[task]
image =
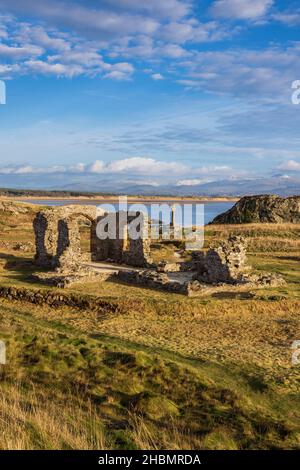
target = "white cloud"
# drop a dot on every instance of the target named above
(268, 71)
(144, 166)
(96, 167)
(192, 31)
(144, 47)
(172, 50)
(157, 76)
(290, 165)
(106, 40)
(130, 166)
(83, 57)
(60, 70)
(190, 83)
(24, 170)
(289, 18)
(134, 167)
(19, 52)
(7, 70)
(30, 169)
(78, 167)
(93, 22)
(84, 41)
(241, 9)
(190, 182)
(165, 9)
(31, 49)
(50, 40)
(117, 75)
(213, 169)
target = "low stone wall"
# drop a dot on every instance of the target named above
(57, 299)
(153, 280)
(63, 279)
(194, 288)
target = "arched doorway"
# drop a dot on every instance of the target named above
(76, 239)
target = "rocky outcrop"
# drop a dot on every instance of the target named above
(15, 208)
(266, 208)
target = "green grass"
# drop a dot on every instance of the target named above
(132, 388)
(160, 371)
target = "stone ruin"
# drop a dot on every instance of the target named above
(217, 270)
(126, 249)
(225, 264)
(57, 237)
(58, 248)
(58, 241)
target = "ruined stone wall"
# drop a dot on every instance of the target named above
(57, 238)
(137, 251)
(46, 234)
(57, 299)
(225, 264)
(57, 235)
(122, 245)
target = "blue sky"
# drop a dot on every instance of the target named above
(172, 91)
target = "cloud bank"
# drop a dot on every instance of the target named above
(112, 39)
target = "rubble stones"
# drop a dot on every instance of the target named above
(153, 280)
(166, 267)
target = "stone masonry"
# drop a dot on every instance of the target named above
(57, 235)
(58, 248)
(225, 264)
(57, 238)
(126, 249)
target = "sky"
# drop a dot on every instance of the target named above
(156, 92)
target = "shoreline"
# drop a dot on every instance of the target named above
(115, 199)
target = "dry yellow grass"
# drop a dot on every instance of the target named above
(242, 333)
(248, 336)
(29, 420)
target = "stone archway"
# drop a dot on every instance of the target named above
(58, 238)
(57, 235)
(69, 249)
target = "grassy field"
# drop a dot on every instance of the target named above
(163, 371)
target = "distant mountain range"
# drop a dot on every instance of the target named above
(281, 185)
